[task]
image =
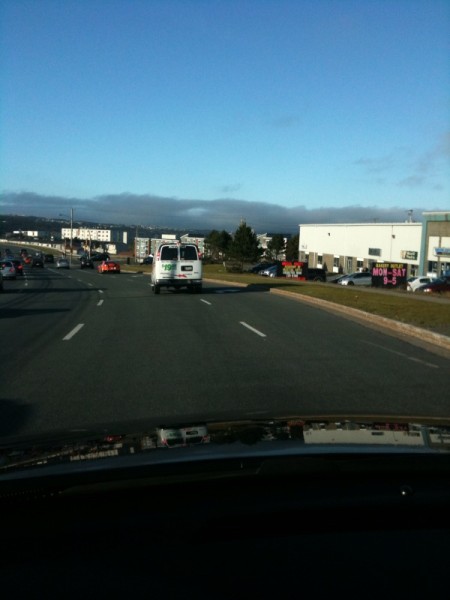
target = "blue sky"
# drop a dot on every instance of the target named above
(316, 104)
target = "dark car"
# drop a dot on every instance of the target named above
(261, 267)
(99, 256)
(148, 260)
(315, 274)
(38, 261)
(274, 270)
(86, 262)
(437, 286)
(18, 264)
(49, 258)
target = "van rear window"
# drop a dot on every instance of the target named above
(168, 253)
(188, 253)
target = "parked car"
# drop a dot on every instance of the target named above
(437, 286)
(316, 274)
(62, 263)
(364, 278)
(275, 270)
(8, 269)
(86, 262)
(260, 267)
(148, 260)
(49, 258)
(414, 282)
(19, 265)
(108, 266)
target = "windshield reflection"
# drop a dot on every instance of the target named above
(264, 436)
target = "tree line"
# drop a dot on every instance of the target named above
(243, 246)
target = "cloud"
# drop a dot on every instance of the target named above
(376, 165)
(412, 181)
(285, 121)
(403, 169)
(229, 189)
(191, 214)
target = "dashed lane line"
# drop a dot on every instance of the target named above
(74, 331)
(260, 333)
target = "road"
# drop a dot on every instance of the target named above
(79, 348)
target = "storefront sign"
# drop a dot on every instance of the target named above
(442, 251)
(295, 269)
(389, 274)
(409, 254)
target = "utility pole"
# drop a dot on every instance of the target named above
(71, 236)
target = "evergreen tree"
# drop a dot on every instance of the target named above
(244, 246)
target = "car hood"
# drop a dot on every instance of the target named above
(124, 447)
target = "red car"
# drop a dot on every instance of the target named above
(19, 266)
(442, 284)
(108, 266)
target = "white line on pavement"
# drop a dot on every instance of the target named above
(100, 302)
(100, 291)
(73, 332)
(252, 329)
(205, 301)
(413, 358)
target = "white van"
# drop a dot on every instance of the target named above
(177, 265)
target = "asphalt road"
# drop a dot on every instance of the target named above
(79, 348)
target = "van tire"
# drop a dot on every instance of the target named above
(156, 289)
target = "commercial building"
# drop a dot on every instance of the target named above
(350, 247)
(435, 246)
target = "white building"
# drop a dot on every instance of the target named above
(86, 233)
(353, 247)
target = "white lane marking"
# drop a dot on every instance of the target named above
(100, 302)
(252, 329)
(413, 358)
(91, 284)
(73, 332)
(205, 301)
(100, 291)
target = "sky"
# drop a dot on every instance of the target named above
(202, 113)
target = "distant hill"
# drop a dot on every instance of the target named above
(10, 223)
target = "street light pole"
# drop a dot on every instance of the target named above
(71, 236)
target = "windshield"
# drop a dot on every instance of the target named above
(223, 138)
